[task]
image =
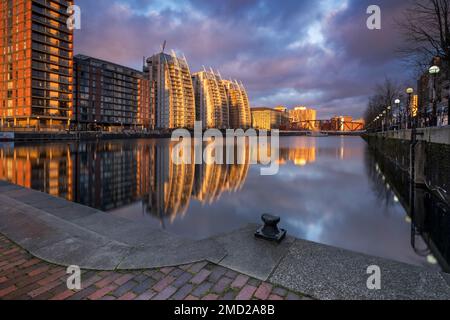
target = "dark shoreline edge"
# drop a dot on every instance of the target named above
(89, 136)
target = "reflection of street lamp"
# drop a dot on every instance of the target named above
(410, 92)
(434, 71)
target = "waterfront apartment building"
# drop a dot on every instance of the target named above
(211, 100)
(240, 115)
(285, 124)
(266, 118)
(110, 97)
(173, 95)
(36, 64)
(303, 118)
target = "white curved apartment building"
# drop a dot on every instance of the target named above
(211, 100)
(239, 105)
(173, 97)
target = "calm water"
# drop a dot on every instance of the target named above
(325, 191)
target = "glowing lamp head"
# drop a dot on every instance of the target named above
(434, 70)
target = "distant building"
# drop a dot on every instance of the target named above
(346, 123)
(284, 125)
(211, 100)
(173, 95)
(240, 115)
(110, 96)
(266, 118)
(303, 118)
(35, 64)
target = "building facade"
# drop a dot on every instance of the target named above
(434, 88)
(36, 64)
(173, 95)
(110, 97)
(266, 118)
(240, 115)
(303, 118)
(211, 100)
(285, 124)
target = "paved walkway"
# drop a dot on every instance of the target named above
(24, 277)
(66, 233)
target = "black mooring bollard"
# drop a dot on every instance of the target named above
(270, 230)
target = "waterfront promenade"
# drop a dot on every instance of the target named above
(55, 232)
(24, 277)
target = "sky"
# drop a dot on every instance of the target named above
(316, 53)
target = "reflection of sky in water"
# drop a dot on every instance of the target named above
(328, 198)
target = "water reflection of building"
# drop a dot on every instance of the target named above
(300, 155)
(106, 174)
(213, 180)
(113, 174)
(45, 168)
(172, 187)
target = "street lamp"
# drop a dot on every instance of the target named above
(388, 118)
(397, 103)
(410, 92)
(434, 71)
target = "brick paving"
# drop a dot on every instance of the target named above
(24, 277)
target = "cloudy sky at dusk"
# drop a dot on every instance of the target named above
(317, 53)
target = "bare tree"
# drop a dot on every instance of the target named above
(426, 31)
(385, 94)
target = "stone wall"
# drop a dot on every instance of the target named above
(432, 160)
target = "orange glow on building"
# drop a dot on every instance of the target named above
(303, 118)
(415, 105)
(36, 64)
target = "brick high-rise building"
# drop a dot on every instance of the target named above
(36, 63)
(110, 96)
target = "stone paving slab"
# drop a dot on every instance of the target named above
(126, 231)
(251, 256)
(84, 253)
(332, 273)
(169, 255)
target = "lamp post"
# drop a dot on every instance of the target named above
(410, 92)
(397, 103)
(38, 123)
(434, 71)
(389, 117)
